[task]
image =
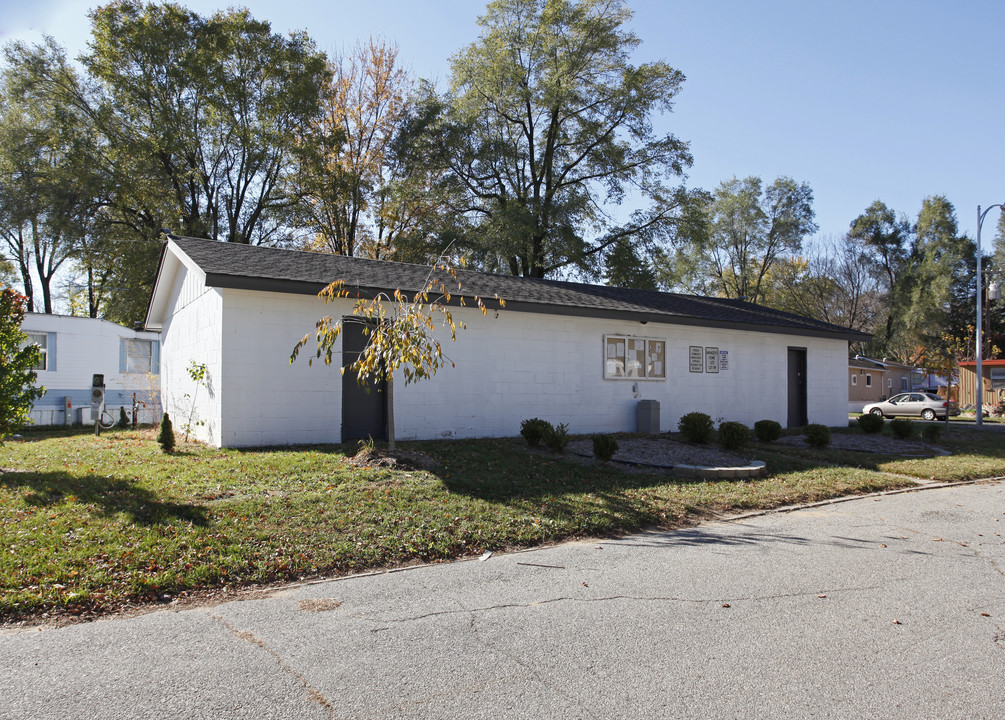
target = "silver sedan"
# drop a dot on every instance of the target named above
(916, 404)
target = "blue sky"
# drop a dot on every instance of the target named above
(888, 99)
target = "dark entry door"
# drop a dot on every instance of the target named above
(797, 387)
(364, 407)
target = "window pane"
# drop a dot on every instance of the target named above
(635, 362)
(138, 356)
(42, 340)
(615, 357)
(656, 359)
(997, 378)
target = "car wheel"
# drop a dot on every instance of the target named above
(928, 414)
(877, 412)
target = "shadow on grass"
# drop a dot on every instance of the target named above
(111, 495)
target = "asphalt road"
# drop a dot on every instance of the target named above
(889, 607)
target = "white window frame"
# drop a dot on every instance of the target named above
(854, 379)
(41, 341)
(652, 367)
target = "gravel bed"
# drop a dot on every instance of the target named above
(664, 452)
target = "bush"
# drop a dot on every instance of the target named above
(166, 436)
(604, 447)
(931, 433)
(535, 431)
(558, 438)
(767, 430)
(123, 419)
(696, 427)
(818, 436)
(733, 435)
(871, 423)
(902, 428)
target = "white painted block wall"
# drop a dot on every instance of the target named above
(192, 335)
(508, 368)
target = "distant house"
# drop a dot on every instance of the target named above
(74, 349)
(871, 380)
(994, 383)
(565, 352)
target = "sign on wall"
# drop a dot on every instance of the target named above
(711, 359)
(707, 359)
(696, 358)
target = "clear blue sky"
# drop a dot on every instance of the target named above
(864, 100)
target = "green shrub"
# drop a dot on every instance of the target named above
(767, 430)
(733, 435)
(558, 438)
(931, 433)
(696, 427)
(166, 436)
(871, 423)
(818, 436)
(902, 428)
(604, 447)
(535, 431)
(123, 419)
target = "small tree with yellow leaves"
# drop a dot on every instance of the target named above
(399, 331)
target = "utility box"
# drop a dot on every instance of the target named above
(648, 413)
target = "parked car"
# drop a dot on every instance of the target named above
(917, 404)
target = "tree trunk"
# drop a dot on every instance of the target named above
(390, 412)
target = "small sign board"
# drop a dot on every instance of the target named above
(724, 359)
(695, 365)
(711, 359)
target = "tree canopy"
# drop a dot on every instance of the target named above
(545, 124)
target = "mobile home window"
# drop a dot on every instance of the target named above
(629, 358)
(868, 380)
(138, 356)
(42, 341)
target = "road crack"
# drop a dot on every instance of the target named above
(611, 598)
(315, 695)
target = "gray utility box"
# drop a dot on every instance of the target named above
(648, 413)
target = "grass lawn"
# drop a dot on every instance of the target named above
(90, 525)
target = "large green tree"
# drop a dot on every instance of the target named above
(49, 185)
(546, 126)
(751, 229)
(208, 108)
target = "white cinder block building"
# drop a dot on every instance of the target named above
(567, 352)
(74, 349)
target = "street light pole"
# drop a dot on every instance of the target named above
(979, 350)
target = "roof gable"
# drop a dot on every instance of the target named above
(233, 265)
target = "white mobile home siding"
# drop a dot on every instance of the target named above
(79, 348)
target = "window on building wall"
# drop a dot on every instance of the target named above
(629, 358)
(42, 341)
(998, 378)
(889, 383)
(854, 380)
(903, 385)
(868, 380)
(137, 356)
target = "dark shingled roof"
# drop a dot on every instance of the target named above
(233, 265)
